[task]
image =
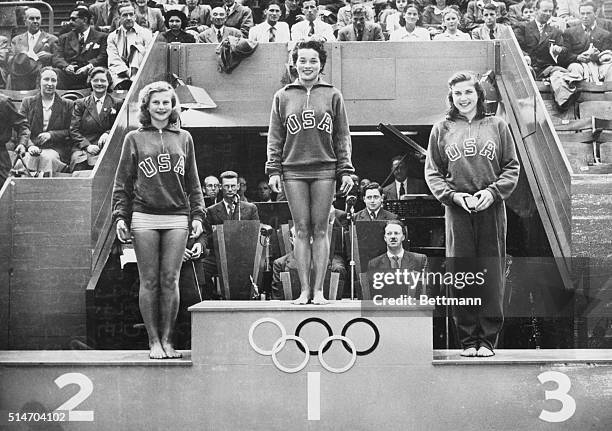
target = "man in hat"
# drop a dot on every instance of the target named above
(218, 31)
(271, 30)
(14, 123)
(79, 51)
(238, 16)
(176, 21)
(126, 48)
(36, 48)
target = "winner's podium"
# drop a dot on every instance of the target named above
(360, 370)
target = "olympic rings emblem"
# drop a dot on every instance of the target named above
(279, 344)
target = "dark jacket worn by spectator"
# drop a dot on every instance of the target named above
(45, 47)
(372, 31)
(382, 214)
(537, 46)
(13, 122)
(70, 52)
(240, 17)
(576, 40)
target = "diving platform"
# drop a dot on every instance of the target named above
(246, 372)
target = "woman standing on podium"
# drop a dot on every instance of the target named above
(309, 145)
(157, 193)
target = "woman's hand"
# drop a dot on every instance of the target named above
(196, 229)
(485, 199)
(458, 199)
(347, 184)
(275, 183)
(92, 149)
(123, 232)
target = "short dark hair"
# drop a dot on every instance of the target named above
(276, 2)
(458, 77)
(490, 7)
(304, 1)
(95, 71)
(554, 3)
(228, 175)
(82, 13)
(310, 44)
(586, 4)
(373, 186)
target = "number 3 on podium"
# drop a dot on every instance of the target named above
(568, 404)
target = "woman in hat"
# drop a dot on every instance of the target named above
(176, 21)
(157, 200)
(49, 118)
(92, 120)
(309, 144)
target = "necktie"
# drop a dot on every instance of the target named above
(588, 34)
(125, 46)
(394, 262)
(402, 190)
(491, 34)
(219, 36)
(542, 33)
(99, 105)
(81, 41)
(311, 31)
(272, 37)
(372, 215)
(359, 34)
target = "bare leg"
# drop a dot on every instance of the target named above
(321, 196)
(298, 196)
(173, 242)
(146, 246)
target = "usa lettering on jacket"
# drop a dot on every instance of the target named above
(164, 163)
(469, 148)
(307, 120)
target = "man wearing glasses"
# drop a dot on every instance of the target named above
(211, 191)
(230, 208)
(372, 195)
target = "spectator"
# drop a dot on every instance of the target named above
(264, 194)
(373, 197)
(242, 188)
(238, 16)
(396, 257)
(79, 51)
(167, 5)
(585, 43)
(103, 14)
(312, 26)
(520, 13)
(198, 16)
(474, 15)
(433, 17)
(393, 21)
(211, 191)
(412, 29)
(14, 123)
(49, 119)
(285, 263)
(176, 21)
(271, 30)
(92, 120)
(219, 30)
(345, 14)
(403, 184)
(126, 48)
(4, 54)
(452, 18)
(230, 208)
(569, 11)
(149, 17)
(389, 9)
(542, 44)
(361, 29)
(292, 12)
(339, 222)
(33, 49)
(491, 29)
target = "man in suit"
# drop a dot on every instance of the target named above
(14, 124)
(4, 54)
(372, 195)
(79, 51)
(219, 30)
(403, 184)
(126, 47)
(542, 44)
(312, 26)
(584, 44)
(238, 16)
(271, 30)
(360, 29)
(103, 14)
(211, 190)
(198, 16)
(149, 17)
(230, 208)
(37, 45)
(490, 29)
(396, 257)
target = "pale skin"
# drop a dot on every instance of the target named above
(99, 85)
(160, 253)
(309, 204)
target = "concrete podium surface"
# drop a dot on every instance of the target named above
(233, 378)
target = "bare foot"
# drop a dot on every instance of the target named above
(304, 298)
(157, 352)
(319, 299)
(484, 352)
(470, 352)
(170, 352)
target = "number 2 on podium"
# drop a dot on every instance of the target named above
(568, 404)
(86, 388)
